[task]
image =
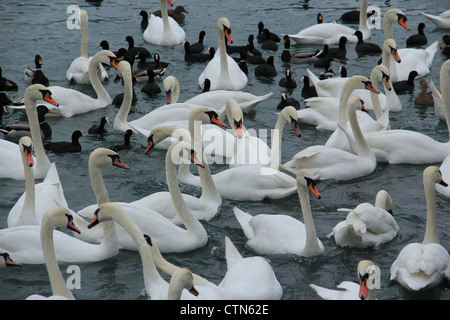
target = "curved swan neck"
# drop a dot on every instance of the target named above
(347, 90)
(42, 160)
(312, 246)
(431, 229)
(222, 50)
(363, 148)
(275, 148)
(185, 214)
(98, 184)
(84, 33)
(57, 282)
(125, 107)
(94, 66)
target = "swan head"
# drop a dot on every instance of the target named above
(106, 211)
(182, 151)
(7, 261)
(39, 92)
(102, 157)
(365, 268)
(361, 82)
(433, 175)
(26, 148)
(224, 26)
(235, 117)
(160, 133)
(107, 57)
(59, 217)
(355, 103)
(289, 113)
(391, 46)
(393, 15)
(123, 71)
(385, 77)
(206, 116)
(172, 89)
(182, 278)
(305, 179)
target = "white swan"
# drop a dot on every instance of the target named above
(349, 290)
(326, 112)
(54, 218)
(367, 225)
(214, 99)
(419, 60)
(223, 72)
(330, 33)
(437, 100)
(74, 102)
(366, 123)
(281, 234)
(441, 21)
(333, 163)
(424, 265)
(181, 279)
(332, 87)
(10, 165)
(445, 170)
(159, 116)
(78, 71)
(254, 183)
(411, 147)
(170, 237)
(164, 30)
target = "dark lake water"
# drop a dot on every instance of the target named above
(40, 27)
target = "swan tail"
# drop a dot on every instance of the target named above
(232, 255)
(244, 220)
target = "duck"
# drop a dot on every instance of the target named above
(268, 43)
(78, 71)
(247, 56)
(9, 150)
(349, 290)
(424, 98)
(288, 101)
(266, 69)
(73, 102)
(164, 30)
(223, 72)
(425, 265)
(7, 84)
(282, 234)
(259, 182)
(363, 47)
(341, 51)
(196, 57)
(36, 75)
(406, 85)
(441, 21)
(156, 65)
(6, 260)
(132, 50)
(198, 46)
(176, 14)
(16, 131)
(214, 99)
(373, 12)
(444, 45)
(144, 19)
(367, 225)
(298, 57)
(261, 36)
(288, 81)
(126, 143)
(330, 33)
(99, 128)
(308, 90)
(151, 87)
(412, 58)
(171, 237)
(251, 46)
(333, 163)
(419, 39)
(118, 99)
(397, 146)
(66, 146)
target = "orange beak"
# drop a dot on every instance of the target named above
(71, 225)
(151, 144)
(370, 87)
(196, 161)
(9, 262)
(218, 122)
(386, 82)
(170, 2)
(94, 222)
(238, 128)
(363, 289)
(115, 63)
(394, 53)
(50, 100)
(119, 163)
(29, 157)
(228, 35)
(402, 22)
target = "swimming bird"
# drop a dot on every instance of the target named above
(36, 75)
(66, 146)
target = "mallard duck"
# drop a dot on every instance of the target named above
(176, 14)
(36, 75)
(7, 84)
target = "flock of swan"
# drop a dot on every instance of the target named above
(210, 128)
